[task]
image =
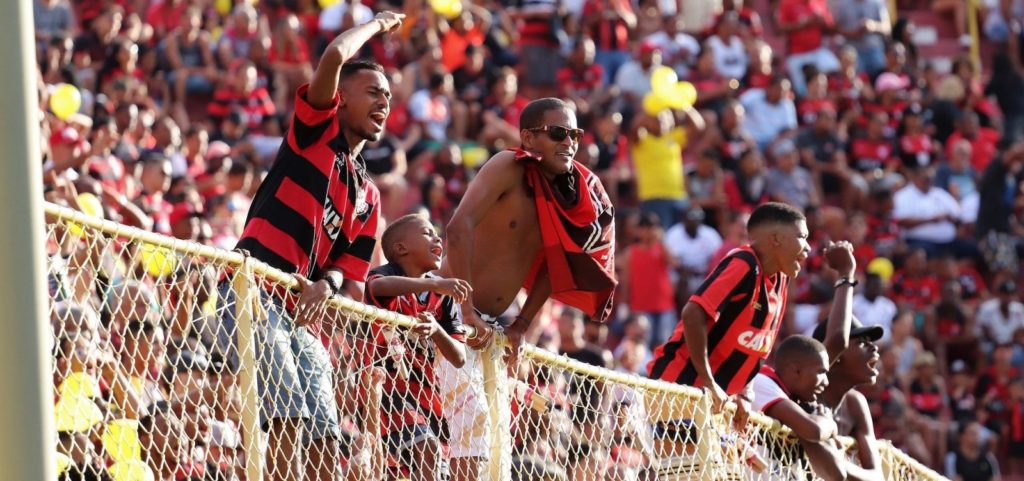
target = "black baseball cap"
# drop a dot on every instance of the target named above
(857, 330)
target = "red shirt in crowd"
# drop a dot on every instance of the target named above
(807, 110)
(749, 19)
(164, 17)
(253, 107)
(918, 291)
(297, 55)
(867, 154)
(569, 80)
(453, 47)
(983, 147)
(608, 33)
(916, 149)
(650, 289)
(808, 38)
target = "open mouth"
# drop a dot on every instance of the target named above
(873, 364)
(437, 251)
(378, 119)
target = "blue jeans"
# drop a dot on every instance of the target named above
(295, 378)
(663, 324)
(871, 60)
(668, 210)
(610, 61)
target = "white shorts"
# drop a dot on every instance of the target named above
(464, 404)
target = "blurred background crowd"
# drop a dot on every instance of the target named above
(871, 117)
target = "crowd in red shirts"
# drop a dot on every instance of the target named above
(185, 102)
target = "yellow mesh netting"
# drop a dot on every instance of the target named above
(176, 359)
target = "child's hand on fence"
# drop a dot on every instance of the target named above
(458, 289)
(427, 326)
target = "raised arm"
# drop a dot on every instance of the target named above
(839, 256)
(345, 46)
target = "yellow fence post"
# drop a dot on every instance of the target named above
(972, 29)
(500, 418)
(247, 307)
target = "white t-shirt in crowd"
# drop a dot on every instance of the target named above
(632, 78)
(693, 252)
(910, 203)
(330, 18)
(881, 312)
(433, 112)
(730, 56)
(991, 320)
(765, 120)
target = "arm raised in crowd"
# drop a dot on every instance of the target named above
(345, 46)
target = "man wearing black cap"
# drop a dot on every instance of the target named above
(854, 366)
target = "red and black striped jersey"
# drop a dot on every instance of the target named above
(316, 209)
(409, 363)
(744, 311)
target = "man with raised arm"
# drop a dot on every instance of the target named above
(533, 218)
(315, 216)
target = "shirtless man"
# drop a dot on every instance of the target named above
(495, 238)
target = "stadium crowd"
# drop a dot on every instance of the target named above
(184, 104)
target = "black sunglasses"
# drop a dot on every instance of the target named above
(558, 133)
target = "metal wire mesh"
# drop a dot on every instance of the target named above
(178, 361)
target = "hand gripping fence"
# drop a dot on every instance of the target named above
(174, 360)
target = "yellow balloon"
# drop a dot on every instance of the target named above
(63, 462)
(684, 95)
(65, 100)
(90, 205)
(79, 384)
(131, 470)
(223, 7)
(76, 414)
(472, 157)
(327, 3)
(157, 260)
(882, 267)
(663, 81)
(121, 440)
(654, 104)
(450, 9)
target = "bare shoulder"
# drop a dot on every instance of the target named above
(501, 170)
(857, 408)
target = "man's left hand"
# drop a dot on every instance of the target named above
(312, 300)
(839, 256)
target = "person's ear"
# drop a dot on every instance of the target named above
(527, 138)
(401, 249)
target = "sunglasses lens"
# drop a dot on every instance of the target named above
(557, 133)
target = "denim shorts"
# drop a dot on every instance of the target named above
(295, 378)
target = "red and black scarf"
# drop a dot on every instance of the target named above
(577, 227)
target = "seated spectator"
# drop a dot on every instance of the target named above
(431, 109)
(999, 318)
(692, 242)
(929, 216)
(750, 22)
(816, 100)
(679, 50)
(634, 77)
(731, 137)
(788, 182)
(865, 24)
(849, 85)
(872, 306)
(572, 344)
(822, 150)
(969, 460)
(705, 187)
(915, 287)
(242, 95)
(289, 58)
(993, 390)
(465, 30)
(916, 147)
(581, 80)
(240, 38)
(983, 140)
(190, 61)
(873, 155)
(770, 113)
(609, 23)
(926, 394)
(501, 110)
(713, 90)
(805, 23)
(762, 68)
(748, 186)
(728, 49)
(950, 327)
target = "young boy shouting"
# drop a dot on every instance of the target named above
(413, 427)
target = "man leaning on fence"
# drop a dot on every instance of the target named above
(315, 216)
